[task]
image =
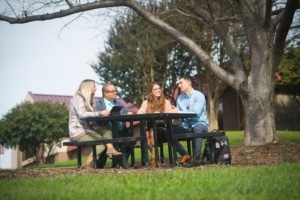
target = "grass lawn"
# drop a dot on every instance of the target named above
(209, 182)
(216, 182)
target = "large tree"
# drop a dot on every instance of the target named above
(36, 128)
(265, 25)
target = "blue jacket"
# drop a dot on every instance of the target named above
(100, 105)
(193, 103)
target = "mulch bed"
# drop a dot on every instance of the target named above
(269, 154)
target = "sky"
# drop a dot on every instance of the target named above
(47, 58)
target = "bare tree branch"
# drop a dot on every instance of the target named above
(67, 12)
(282, 31)
(69, 3)
(11, 8)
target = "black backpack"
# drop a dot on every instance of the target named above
(217, 150)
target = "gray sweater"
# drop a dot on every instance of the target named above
(77, 126)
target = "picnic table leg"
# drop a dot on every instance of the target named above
(94, 156)
(212, 150)
(115, 133)
(210, 153)
(170, 144)
(132, 156)
(123, 155)
(79, 156)
(155, 143)
(192, 151)
(145, 159)
(170, 154)
(171, 134)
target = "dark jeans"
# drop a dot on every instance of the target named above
(128, 146)
(199, 128)
(161, 130)
(161, 133)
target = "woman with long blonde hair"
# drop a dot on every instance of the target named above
(83, 105)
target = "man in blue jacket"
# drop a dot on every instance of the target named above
(106, 102)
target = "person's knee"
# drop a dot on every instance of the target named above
(151, 132)
(200, 128)
(107, 135)
(100, 149)
(178, 130)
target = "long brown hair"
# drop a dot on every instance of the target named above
(160, 102)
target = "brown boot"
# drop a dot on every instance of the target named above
(184, 159)
(153, 162)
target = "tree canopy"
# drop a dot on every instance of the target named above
(36, 128)
(289, 69)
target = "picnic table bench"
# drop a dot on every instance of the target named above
(189, 137)
(93, 143)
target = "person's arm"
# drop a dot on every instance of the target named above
(168, 107)
(125, 110)
(100, 105)
(78, 105)
(101, 108)
(181, 104)
(198, 103)
(143, 108)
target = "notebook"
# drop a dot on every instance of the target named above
(115, 111)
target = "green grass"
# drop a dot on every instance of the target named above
(209, 182)
(236, 137)
(215, 182)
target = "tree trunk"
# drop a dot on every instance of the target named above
(259, 120)
(213, 114)
(258, 101)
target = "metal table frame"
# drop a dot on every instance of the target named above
(143, 118)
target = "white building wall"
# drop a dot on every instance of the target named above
(8, 160)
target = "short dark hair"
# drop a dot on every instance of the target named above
(105, 86)
(187, 78)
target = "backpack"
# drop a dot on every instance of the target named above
(217, 150)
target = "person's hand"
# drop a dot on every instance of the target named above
(104, 113)
(173, 109)
(130, 113)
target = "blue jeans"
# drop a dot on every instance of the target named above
(199, 128)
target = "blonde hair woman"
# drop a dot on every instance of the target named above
(155, 102)
(83, 105)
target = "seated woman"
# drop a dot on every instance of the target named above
(155, 102)
(83, 105)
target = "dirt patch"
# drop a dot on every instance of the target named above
(269, 154)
